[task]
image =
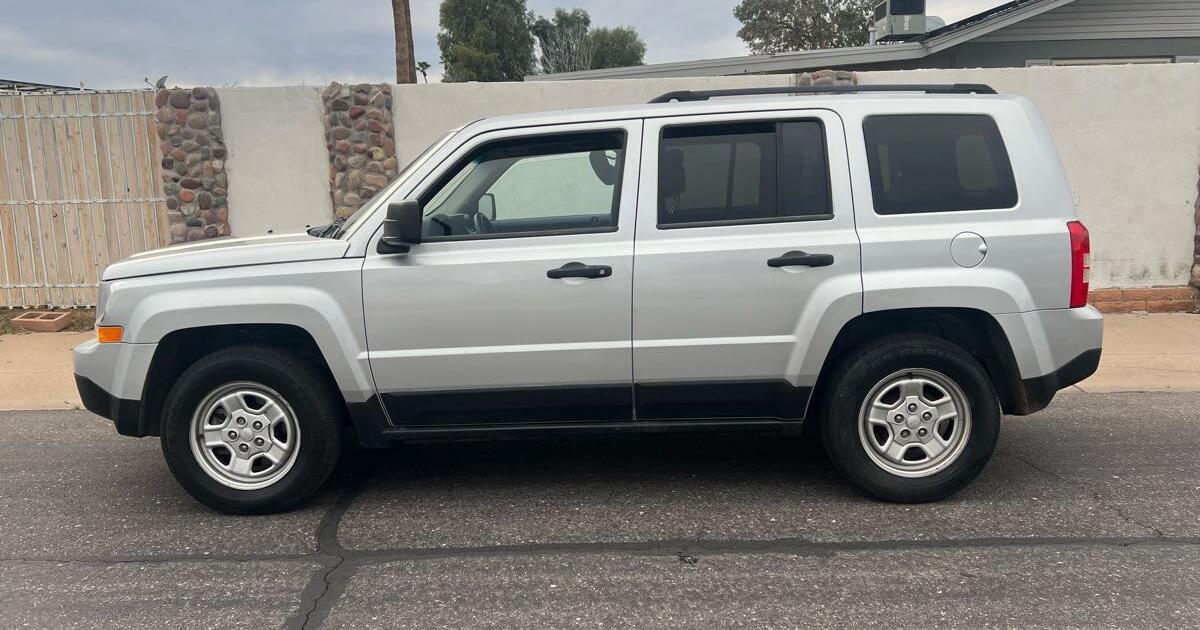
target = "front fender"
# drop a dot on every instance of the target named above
(323, 298)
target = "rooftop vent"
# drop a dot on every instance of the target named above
(901, 20)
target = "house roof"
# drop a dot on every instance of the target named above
(13, 85)
(948, 36)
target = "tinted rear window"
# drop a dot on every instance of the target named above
(938, 163)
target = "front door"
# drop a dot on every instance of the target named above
(747, 263)
(515, 308)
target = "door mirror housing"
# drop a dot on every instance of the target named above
(401, 228)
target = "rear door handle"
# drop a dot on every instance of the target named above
(580, 270)
(801, 259)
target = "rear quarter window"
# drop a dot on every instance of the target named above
(937, 163)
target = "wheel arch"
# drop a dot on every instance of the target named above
(974, 330)
(179, 349)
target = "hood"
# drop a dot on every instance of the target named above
(227, 252)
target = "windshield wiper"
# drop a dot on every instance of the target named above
(326, 231)
(335, 228)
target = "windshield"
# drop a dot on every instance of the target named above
(353, 221)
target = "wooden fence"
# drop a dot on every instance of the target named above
(80, 187)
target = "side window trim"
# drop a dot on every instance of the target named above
(800, 218)
(447, 176)
(778, 165)
(450, 238)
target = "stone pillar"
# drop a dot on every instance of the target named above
(361, 141)
(193, 164)
(1196, 242)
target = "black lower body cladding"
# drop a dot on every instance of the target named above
(125, 414)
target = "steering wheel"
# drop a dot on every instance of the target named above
(483, 225)
(440, 221)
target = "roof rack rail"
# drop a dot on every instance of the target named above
(704, 95)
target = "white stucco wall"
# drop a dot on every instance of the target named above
(277, 161)
(1129, 137)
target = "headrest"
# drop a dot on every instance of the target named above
(672, 178)
(606, 171)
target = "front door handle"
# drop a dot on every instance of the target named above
(801, 259)
(580, 270)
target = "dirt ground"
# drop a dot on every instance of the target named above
(84, 320)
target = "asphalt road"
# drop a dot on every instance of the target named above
(1089, 516)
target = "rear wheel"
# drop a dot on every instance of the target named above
(251, 429)
(910, 418)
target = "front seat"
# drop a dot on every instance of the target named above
(672, 179)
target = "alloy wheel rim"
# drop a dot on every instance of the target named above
(244, 435)
(914, 423)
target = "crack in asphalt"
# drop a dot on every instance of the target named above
(1094, 494)
(1120, 511)
(782, 546)
(326, 584)
(164, 559)
(347, 560)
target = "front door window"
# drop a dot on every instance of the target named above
(530, 187)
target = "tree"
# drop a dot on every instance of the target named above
(772, 26)
(564, 41)
(567, 43)
(616, 48)
(423, 67)
(485, 40)
(405, 70)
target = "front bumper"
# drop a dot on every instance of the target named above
(125, 414)
(110, 378)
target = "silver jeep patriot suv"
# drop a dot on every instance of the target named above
(897, 265)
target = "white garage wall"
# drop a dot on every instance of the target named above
(277, 162)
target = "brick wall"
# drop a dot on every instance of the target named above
(1151, 300)
(1195, 281)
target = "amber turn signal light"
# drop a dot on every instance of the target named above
(109, 334)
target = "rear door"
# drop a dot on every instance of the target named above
(745, 252)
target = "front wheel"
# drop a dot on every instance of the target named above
(910, 418)
(251, 429)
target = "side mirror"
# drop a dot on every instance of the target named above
(401, 228)
(487, 206)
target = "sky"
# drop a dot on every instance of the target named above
(107, 44)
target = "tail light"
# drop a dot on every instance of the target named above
(1081, 263)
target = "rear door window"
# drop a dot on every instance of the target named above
(736, 173)
(937, 163)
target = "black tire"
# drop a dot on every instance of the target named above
(866, 367)
(319, 415)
